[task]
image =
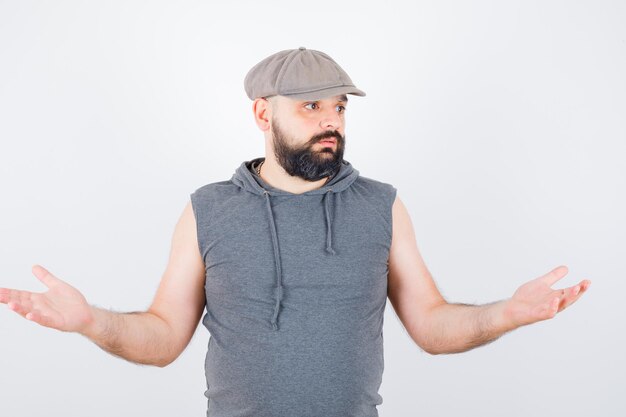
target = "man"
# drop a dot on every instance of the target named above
(293, 259)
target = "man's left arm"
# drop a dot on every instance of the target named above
(441, 327)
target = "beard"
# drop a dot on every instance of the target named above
(303, 161)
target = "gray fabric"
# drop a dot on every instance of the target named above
(300, 74)
(296, 288)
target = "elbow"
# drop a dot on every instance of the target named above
(170, 355)
(427, 334)
(427, 341)
(426, 344)
(166, 361)
(162, 364)
(430, 349)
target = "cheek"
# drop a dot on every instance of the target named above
(303, 132)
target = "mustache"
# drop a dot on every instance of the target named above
(327, 135)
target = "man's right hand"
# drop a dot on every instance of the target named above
(154, 337)
(62, 307)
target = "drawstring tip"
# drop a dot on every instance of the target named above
(274, 326)
(330, 250)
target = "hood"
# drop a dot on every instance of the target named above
(249, 181)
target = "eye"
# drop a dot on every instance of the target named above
(343, 108)
(311, 104)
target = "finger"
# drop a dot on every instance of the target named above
(8, 295)
(556, 274)
(26, 308)
(40, 318)
(572, 294)
(44, 276)
(580, 287)
(5, 295)
(19, 308)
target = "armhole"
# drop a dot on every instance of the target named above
(392, 199)
(194, 207)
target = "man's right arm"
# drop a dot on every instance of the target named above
(138, 337)
(159, 335)
(155, 337)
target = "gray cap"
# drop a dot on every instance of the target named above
(301, 74)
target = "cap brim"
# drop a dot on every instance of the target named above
(326, 92)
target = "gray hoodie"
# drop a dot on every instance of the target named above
(296, 288)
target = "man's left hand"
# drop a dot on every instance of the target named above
(536, 301)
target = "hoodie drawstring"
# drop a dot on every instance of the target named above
(329, 248)
(279, 284)
(329, 233)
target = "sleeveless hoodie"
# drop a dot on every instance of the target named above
(296, 288)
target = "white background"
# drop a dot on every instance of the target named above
(501, 123)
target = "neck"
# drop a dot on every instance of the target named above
(274, 174)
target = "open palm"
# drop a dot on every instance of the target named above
(62, 307)
(536, 300)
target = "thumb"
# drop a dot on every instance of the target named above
(45, 276)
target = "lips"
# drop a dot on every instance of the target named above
(328, 142)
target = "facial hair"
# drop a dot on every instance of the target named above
(303, 161)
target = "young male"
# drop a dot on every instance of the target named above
(293, 259)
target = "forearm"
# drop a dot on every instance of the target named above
(454, 328)
(138, 337)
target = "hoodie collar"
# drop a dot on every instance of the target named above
(251, 182)
(246, 178)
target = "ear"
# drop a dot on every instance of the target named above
(262, 110)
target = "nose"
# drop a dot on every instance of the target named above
(331, 120)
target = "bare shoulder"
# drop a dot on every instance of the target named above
(186, 226)
(403, 237)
